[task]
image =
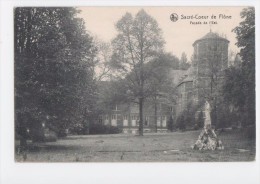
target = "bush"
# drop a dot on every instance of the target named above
(182, 126)
(200, 120)
(78, 129)
(170, 124)
(181, 123)
(114, 130)
(50, 136)
(104, 129)
(43, 135)
(37, 134)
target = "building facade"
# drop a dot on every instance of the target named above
(126, 117)
(192, 87)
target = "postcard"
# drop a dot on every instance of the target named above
(134, 84)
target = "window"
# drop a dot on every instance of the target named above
(125, 120)
(164, 121)
(106, 117)
(113, 116)
(158, 121)
(106, 120)
(133, 117)
(114, 119)
(100, 119)
(146, 122)
(134, 120)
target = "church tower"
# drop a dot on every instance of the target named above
(210, 60)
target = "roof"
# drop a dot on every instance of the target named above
(211, 35)
(187, 76)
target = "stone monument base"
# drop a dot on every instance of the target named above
(208, 140)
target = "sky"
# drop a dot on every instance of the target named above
(180, 35)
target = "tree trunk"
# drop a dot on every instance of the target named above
(141, 116)
(155, 114)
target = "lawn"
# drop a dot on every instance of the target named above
(167, 147)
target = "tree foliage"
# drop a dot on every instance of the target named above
(239, 88)
(246, 35)
(53, 68)
(103, 69)
(160, 89)
(138, 41)
(184, 64)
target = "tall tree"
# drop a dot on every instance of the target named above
(53, 63)
(138, 41)
(246, 36)
(239, 88)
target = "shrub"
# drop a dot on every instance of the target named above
(170, 124)
(200, 120)
(50, 136)
(104, 129)
(43, 135)
(181, 122)
(114, 130)
(78, 128)
(37, 134)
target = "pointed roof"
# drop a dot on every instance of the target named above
(187, 76)
(210, 35)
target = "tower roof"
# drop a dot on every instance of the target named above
(211, 35)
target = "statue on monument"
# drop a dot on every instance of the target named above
(207, 122)
(208, 139)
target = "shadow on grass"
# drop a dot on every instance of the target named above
(48, 148)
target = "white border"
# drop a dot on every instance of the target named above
(11, 172)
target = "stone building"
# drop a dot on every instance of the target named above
(204, 78)
(125, 115)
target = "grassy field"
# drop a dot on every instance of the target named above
(168, 147)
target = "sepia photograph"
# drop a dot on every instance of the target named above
(134, 84)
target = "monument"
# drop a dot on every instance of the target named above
(208, 139)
